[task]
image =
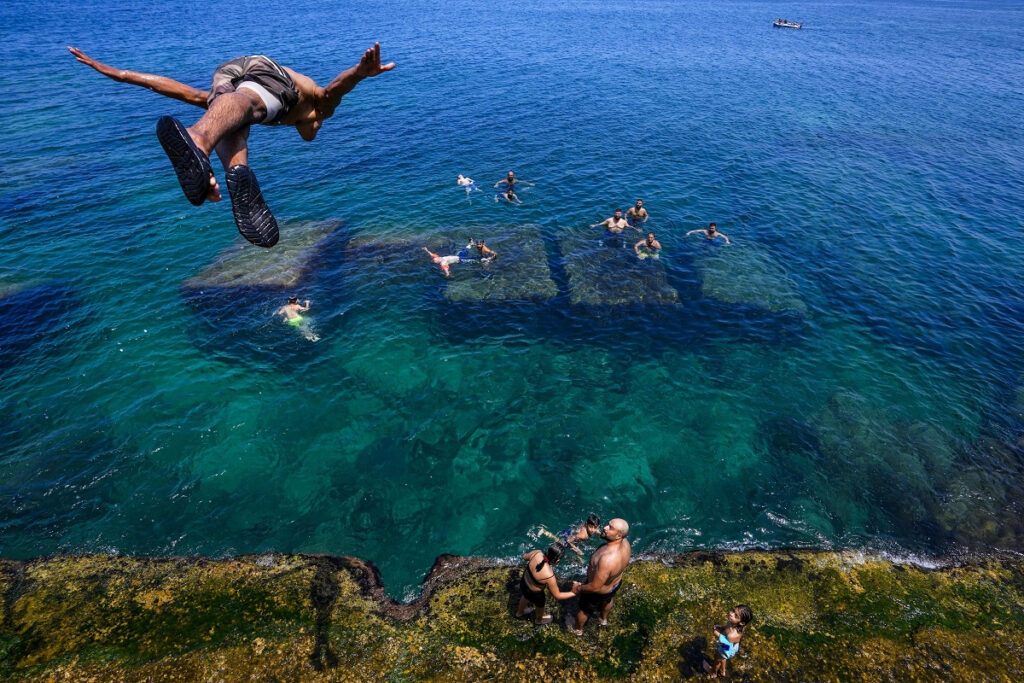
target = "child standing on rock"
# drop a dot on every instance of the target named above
(727, 639)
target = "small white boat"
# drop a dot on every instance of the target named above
(780, 23)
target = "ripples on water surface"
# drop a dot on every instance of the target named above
(846, 374)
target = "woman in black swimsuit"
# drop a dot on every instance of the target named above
(539, 573)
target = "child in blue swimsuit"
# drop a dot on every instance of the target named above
(727, 641)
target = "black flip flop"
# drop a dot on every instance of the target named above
(189, 162)
(252, 215)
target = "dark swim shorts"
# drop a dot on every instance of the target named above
(261, 70)
(535, 597)
(595, 602)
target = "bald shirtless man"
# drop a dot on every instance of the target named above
(245, 90)
(604, 574)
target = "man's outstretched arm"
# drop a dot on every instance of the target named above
(368, 67)
(168, 87)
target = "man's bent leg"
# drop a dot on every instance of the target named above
(227, 114)
(233, 149)
(252, 215)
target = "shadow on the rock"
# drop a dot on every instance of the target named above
(693, 657)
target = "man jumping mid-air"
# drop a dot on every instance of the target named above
(245, 90)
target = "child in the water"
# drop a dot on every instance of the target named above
(570, 535)
(727, 639)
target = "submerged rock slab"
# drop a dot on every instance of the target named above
(244, 266)
(746, 274)
(602, 275)
(818, 616)
(519, 273)
(32, 314)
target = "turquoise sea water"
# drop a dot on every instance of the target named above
(846, 374)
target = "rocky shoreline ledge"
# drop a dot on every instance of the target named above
(819, 616)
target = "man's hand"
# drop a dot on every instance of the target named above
(576, 587)
(370, 65)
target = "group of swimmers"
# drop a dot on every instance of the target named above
(509, 181)
(635, 216)
(604, 578)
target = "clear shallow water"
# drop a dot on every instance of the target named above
(846, 374)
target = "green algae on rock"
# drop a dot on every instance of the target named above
(600, 275)
(746, 274)
(519, 273)
(242, 265)
(818, 616)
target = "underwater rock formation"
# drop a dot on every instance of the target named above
(818, 616)
(603, 275)
(282, 268)
(520, 272)
(746, 274)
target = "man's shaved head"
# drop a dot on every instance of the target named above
(620, 525)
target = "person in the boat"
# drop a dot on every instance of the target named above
(711, 233)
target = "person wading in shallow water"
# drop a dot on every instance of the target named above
(245, 90)
(604, 575)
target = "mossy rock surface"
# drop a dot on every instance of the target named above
(603, 275)
(519, 273)
(818, 616)
(282, 267)
(748, 274)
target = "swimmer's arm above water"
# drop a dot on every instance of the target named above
(168, 87)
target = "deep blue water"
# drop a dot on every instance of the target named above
(847, 373)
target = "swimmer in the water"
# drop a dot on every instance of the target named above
(616, 224)
(486, 253)
(292, 315)
(510, 196)
(510, 181)
(637, 214)
(711, 233)
(445, 262)
(467, 183)
(650, 246)
(569, 536)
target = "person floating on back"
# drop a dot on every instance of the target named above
(538, 575)
(727, 639)
(604, 575)
(467, 183)
(711, 233)
(245, 90)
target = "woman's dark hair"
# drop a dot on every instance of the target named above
(746, 616)
(553, 554)
(593, 520)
